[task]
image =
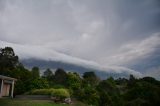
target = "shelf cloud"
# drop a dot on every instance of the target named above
(123, 35)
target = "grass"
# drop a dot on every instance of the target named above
(16, 102)
(21, 102)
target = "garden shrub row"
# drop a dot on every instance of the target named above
(60, 93)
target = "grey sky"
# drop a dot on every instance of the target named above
(108, 33)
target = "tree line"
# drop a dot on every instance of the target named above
(87, 88)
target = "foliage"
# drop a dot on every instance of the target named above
(151, 80)
(35, 72)
(90, 96)
(39, 83)
(48, 73)
(90, 78)
(60, 76)
(60, 93)
(40, 92)
(57, 86)
(148, 93)
(8, 60)
(109, 93)
(73, 81)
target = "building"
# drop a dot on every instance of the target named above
(6, 86)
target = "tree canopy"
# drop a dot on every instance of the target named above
(8, 60)
(35, 72)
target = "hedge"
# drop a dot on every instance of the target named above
(60, 93)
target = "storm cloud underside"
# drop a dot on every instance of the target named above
(107, 35)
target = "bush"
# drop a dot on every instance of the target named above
(58, 86)
(39, 83)
(60, 93)
(41, 92)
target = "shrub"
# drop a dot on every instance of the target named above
(58, 86)
(41, 92)
(60, 93)
(39, 83)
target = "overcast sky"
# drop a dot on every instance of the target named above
(108, 33)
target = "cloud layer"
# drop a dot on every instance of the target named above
(93, 33)
(42, 53)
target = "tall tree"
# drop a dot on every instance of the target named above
(90, 78)
(132, 81)
(35, 72)
(8, 60)
(48, 73)
(109, 93)
(73, 81)
(60, 76)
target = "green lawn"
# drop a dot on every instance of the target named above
(21, 102)
(16, 102)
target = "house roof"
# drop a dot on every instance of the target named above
(7, 78)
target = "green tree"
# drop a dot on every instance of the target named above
(35, 72)
(38, 83)
(24, 78)
(8, 60)
(48, 73)
(109, 93)
(73, 81)
(89, 95)
(143, 93)
(132, 81)
(90, 78)
(60, 77)
(151, 80)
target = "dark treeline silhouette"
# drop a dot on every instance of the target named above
(87, 88)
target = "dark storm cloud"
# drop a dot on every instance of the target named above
(106, 32)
